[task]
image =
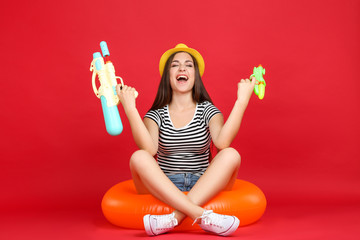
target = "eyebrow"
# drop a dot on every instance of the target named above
(185, 61)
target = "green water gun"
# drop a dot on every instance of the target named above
(260, 81)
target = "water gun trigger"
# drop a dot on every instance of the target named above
(121, 82)
(257, 82)
(136, 94)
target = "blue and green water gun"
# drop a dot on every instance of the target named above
(105, 71)
(260, 81)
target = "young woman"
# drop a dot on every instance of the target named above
(178, 129)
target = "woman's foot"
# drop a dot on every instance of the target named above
(223, 225)
(158, 224)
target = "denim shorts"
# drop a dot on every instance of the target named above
(184, 181)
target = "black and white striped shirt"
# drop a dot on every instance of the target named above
(186, 149)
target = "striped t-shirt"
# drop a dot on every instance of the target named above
(185, 149)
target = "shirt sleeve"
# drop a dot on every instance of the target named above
(210, 111)
(155, 116)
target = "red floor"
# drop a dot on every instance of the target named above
(302, 221)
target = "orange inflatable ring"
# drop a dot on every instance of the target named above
(123, 207)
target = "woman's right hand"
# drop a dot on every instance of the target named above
(144, 134)
(126, 96)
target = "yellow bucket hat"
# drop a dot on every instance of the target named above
(182, 48)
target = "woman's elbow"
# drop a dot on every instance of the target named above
(152, 150)
(221, 145)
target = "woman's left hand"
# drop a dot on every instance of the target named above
(245, 89)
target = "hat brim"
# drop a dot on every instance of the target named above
(199, 59)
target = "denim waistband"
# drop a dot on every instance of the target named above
(198, 174)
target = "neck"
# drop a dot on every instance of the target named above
(182, 101)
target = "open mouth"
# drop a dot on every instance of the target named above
(182, 78)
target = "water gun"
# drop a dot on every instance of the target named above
(260, 81)
(105, 71)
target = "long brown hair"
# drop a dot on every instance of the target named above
(164, 93)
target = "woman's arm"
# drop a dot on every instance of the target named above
(223, 134)
(145, 133)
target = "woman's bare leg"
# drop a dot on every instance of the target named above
(220, 175)
(149, 178)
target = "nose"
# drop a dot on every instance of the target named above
(182, 67)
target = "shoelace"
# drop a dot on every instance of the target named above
(215, 219)
(166, 221)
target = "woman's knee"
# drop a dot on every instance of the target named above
(139, 159)
(231, 155)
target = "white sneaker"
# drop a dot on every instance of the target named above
(223, 225)
(158, 224)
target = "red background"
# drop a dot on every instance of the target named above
(300, 144)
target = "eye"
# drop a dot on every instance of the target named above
(189, 65)
(174, 65)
